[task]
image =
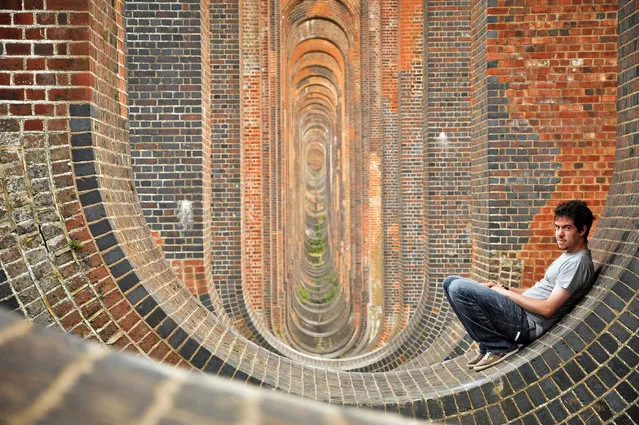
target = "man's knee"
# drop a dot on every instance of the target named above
(448, 281)
(462, 288)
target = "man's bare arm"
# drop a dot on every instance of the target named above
(518, 290)
(491, 283)
(546, 308)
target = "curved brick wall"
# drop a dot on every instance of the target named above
(77, 253)
(138, 390)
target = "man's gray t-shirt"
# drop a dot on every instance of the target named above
(572, 271)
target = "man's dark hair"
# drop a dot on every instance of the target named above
(579, 212)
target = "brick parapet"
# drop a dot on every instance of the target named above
(128, 381)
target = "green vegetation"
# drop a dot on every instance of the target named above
(331, 294)
(75, 245)
(303, 293)
(317, 244)
(316, 248)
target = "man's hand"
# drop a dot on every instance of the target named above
(489, 284)
(499, 288)
(506, 289)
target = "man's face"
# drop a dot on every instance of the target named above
(569, 238)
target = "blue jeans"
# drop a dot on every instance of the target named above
(496, 322)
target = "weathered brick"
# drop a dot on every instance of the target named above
(36, 94)
(67, 34)
(35, 64)
(17, 49)
(21, 109)
(34, 34)
(72, 94)
(33, 4)
(34, 125)
(23, 19)
(12, 94)
(11, 64)
(72, 64)
(9, 33)
(43, 49)
(46, 18)
(66, 5)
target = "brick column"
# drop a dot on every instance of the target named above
(390, 166)
(251, 136)
(169, 122)
(226, 232)
(271, 110)
(411, 174)
(446, 156)
(372, 142)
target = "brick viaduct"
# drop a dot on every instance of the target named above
(273, 192)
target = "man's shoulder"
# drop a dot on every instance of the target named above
(581, 267)
(583, 256)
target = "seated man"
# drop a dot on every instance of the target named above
(501, 319)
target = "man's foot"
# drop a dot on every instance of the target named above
(472, 362)
(491, 359)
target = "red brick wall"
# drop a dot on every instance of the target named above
(550, 85)
(582, 73)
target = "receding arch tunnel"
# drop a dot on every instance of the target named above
(322, 281)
